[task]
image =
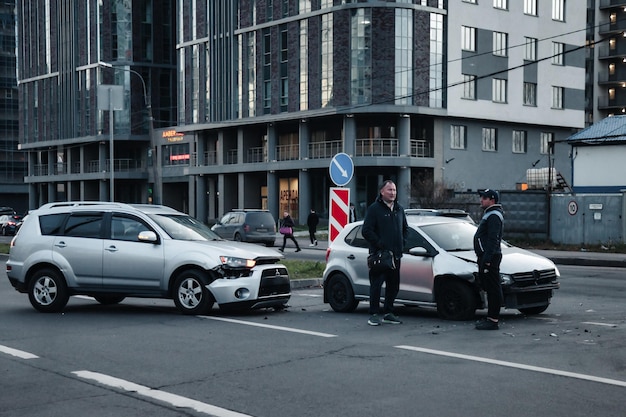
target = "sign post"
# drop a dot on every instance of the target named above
(341, 170)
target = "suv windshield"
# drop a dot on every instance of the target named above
(184, 227)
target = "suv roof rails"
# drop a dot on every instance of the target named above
(80, 203)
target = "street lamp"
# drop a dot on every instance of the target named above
(148, 104)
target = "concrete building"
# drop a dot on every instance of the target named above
(13, 191)
(461, 94)
(466, 94)
(67, 50)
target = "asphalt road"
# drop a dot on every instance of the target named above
(142, 358)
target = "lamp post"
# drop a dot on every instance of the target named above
(148, 104)
(111, 98)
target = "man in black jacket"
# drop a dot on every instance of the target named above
(487, 245)
(385, 227)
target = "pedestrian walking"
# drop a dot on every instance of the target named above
(487, 240)
(286, 229)
(385, 228)
(353, 217)
(312, 221)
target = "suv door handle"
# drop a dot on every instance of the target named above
(351, 257)
(60, 245)
(111, 248)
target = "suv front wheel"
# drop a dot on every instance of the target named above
(191, 295)
(47, 291)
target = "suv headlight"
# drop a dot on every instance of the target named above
(506, 279)
(233, 262)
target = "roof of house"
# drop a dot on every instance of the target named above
(610, 130)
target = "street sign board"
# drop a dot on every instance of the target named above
(338, 211)
(341, 169)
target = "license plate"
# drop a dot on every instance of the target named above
(261, 230)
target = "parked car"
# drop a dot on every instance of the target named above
(438, 270)
(6, 210)
(255, 226)
(457, 213)
(111, 251)
(9, 224)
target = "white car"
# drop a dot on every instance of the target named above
(438, 270)
(112, 250)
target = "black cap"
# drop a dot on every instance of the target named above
(491, 194)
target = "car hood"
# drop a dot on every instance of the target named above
(514, 260)
(230, 248)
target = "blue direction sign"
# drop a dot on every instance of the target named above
(341, 169)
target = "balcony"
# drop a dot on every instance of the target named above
(325, 150)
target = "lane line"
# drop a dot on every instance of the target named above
(269, 326)
(599, 324)
(517, 365)
(19, 353)
(173, 399)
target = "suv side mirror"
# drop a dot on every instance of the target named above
(147, 236)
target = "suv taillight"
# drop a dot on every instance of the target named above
(246, 227)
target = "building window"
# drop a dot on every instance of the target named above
(557, 97)
(500, 43)
(530, 7)
(500, 4)
(530, 50)
(304, 6)
(404, 56)
(499, 90)
(519, 141)
(284, 68)
(267, 70)
(468, 38)
(469, 87)
(326, 76)
(436, 69)
(304, 64)
(490, 140)
(458, 138)
(530, 94)
(361, 56)
(557, 53)
(545, 142)
(558, 10)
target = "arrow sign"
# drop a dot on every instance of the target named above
(341, 169)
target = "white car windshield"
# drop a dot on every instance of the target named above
(457, 236)
(184, 227)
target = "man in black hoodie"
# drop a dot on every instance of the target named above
(487, 245)
(385, 227)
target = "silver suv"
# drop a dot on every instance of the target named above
(112, 250)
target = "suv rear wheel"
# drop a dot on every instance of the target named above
(191, 295)
(47, 291)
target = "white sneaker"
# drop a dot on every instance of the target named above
(312, 244)
(315, 243)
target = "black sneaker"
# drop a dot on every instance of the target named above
(389, 318)
(298, 250)
(487, 324)
(374, 320)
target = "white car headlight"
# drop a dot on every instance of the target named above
(506, 279)
(233, 262)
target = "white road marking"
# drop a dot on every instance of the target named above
(517, 365)
(173, 399)
(600, 324)
(269, 326)
(309, 295)
(18, 353)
